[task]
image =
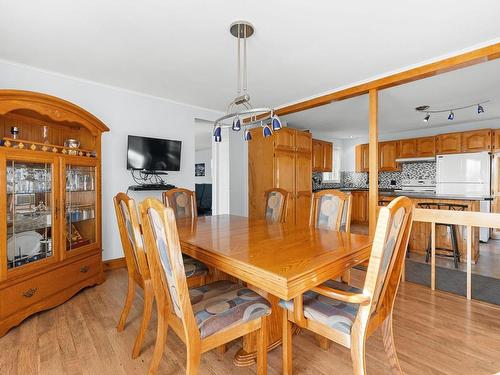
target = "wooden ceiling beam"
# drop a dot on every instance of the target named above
(463, 60)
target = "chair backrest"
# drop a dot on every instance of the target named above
(388, 254)
(165, 261)
(331, 209)
(131, 235)
(276, 205)
(182, 201)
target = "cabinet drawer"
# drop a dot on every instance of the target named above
(36, 289)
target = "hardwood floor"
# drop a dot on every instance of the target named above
(435, 333)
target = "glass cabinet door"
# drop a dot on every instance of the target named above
(30, 205)
(80, 207)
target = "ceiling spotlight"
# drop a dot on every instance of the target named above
(480, 108)
(427, 117)
(451, 116)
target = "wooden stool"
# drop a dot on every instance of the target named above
(454, 251)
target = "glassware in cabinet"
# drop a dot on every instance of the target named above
(80, 207)
(30, 205)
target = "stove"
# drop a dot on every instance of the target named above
(418, 186)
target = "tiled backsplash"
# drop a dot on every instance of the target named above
(387, 180)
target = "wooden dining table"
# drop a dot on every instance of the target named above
(278, 260)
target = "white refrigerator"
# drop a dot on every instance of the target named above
(466, 175)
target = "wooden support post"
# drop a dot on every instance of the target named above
(469, 262)
(373, 156)
(433, 256)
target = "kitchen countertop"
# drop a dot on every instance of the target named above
(422, 195)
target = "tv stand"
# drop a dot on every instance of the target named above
(146, 187)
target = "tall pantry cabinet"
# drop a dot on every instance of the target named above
(284, 161)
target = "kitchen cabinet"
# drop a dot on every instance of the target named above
(359, 211)
(283, 161)
(426, 146)
(362, 162)
(322, 156)
(387, 155)
(408, 148)
(496, 140)
(450, 143)
(317, 156)
(477, 140)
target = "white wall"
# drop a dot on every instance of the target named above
(426, 130)
(124, 112)
(204, 156)
(238, 174)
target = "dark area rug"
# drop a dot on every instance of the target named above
(484, 288)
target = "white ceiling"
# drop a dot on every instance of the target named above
(182, 50)
(349, 118)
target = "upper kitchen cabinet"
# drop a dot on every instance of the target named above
(322, 156)
(362, 158)
(408, 148)
(426, 146)
(285, 139)
(476, 140)
(303, 141)
(496, 139)
(450, 143)
(387, 155)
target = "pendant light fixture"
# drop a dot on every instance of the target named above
(240, 111)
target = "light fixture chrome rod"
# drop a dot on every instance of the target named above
(239, 63)
(251, 111)
(245, 60)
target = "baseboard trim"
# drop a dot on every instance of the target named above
(113, 264)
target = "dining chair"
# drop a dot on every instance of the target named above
(276, 205)
(138, 268)
(206, 317)
(182, 201)
(331, 209)
(348, 315)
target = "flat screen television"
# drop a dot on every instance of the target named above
(153, 154)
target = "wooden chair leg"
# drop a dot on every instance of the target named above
(193, 358)
(146, 317)
(358, 353)
(129, 299)
(221, 350)
(323, 342)
(161, 339)
(287, 344)
(389, 346)
(262, 348)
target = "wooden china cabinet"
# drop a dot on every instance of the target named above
(50, 203)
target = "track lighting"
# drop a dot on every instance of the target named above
(276, 122)
(451, 116)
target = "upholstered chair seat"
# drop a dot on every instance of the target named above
(193, 267)
(328, 311)
(222, 304)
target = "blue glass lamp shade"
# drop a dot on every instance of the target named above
(218, 134)
(276, 121)
(266, 131)
(480, 108)
(451, 116)
(248, 135)
(237, 124)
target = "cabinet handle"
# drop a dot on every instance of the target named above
(84, 269)
(30, 292)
